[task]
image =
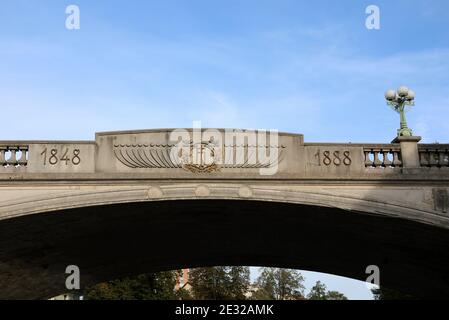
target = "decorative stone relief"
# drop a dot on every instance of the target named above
(155, 192)
(205, 157)
(245, 192)
(202, 191)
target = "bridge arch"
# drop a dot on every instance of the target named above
(117, 239)
(390, 200)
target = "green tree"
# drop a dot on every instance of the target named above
(239, 281)
(219, 283)
(335, 295)
(318, 292)
(279, 284)
(152, 286)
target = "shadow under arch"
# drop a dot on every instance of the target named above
(111, 241)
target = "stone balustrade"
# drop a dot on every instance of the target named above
(382, 156)
(434, 155)
(14, 155)
(146, 154)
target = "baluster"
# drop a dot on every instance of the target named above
(2, 156)
(387, 162)
(368, 162)
(424, 158)
(439, 157)
(13, 160)
(433, 158)
(377, 162)
(23, 159)
(445, 159)
(396, 159)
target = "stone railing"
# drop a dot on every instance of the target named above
(14, 155)
(434, 155)
(19, 157)
(382, 156)
(145, 154)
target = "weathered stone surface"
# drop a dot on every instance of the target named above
(441, 200)
(409, 150)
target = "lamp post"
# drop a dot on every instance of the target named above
(398, 100)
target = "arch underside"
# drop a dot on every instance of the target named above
(115, 240)
(407, 202)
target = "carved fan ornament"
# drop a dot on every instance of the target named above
(204, 157)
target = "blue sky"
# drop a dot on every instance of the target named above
(310, 67)
(298, 66)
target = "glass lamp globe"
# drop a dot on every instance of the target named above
(411, 95)
(403, 91)
(390, 95)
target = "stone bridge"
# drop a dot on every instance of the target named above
(132, 202)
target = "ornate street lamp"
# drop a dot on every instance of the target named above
(398, 100)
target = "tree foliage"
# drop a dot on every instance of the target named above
(335, 295)
(279, 284)
(319, 292)
(220, 283)
(153, 286)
